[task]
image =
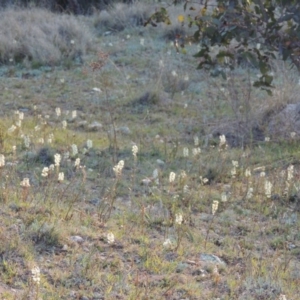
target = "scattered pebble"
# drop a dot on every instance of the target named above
(95, 126)
(160, 162)
(124, 130)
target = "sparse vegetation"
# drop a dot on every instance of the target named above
(132, 175)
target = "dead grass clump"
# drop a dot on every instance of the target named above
(40, 36)
(120, 16)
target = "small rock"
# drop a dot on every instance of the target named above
(160, 162)
(82, 124)
(95, 126)
(77, 239)
(211, 258)
(124, 130)
(95, 89)
(146, 181)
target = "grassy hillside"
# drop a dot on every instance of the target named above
(116, 179)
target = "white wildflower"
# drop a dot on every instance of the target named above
(41, 141)
(61, 176)
(172, 177)
(167, 243)
(178, 219)
(249, 193)
(110, 238)
(135, 150)
(64, 124)
(222, 143)
(174, 74)
(196, 141)
(203, 180)
(2, 160)
(196, 151)
(118, 168)
(185, 189)
(290, 173)
(36, 275)
(25, 182)
(293, 134)
(58, 111)
(155, 176)
(77, 162)
(247, 172)
(19, 123)
(142, 42)
(74, 150)
(26, 139)
(57, 159)
(74, 114)
(214, 207)
(267, 139)
(89, 144)
(268, 189)
(224, 197)
(45, 172)
(185, 152)
(233, 172)
(235, 163)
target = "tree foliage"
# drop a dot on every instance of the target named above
(231, 31)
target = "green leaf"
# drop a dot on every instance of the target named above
(263, 67)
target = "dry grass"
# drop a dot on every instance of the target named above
(42, 37)
(120, 16)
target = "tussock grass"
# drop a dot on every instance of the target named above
(42, 37)
(120, 16)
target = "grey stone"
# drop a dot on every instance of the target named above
(211, 258)
(95, 126)
(77, 239)
(124, 129)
